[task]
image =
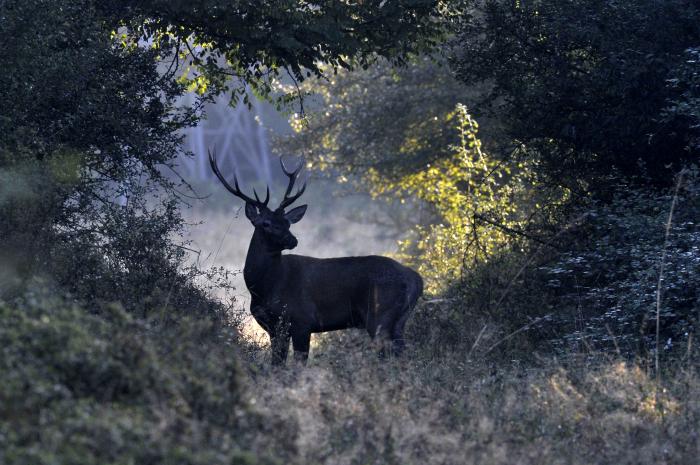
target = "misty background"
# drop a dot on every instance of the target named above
(339, 221)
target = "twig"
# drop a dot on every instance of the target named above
(519, 330)
(302, 113)
(617, 347)
(228, 228)
(189, 249)
(437, 301)
(476, 342)
(510, 230)
(527, 262)
(514, 278)
(661, 272)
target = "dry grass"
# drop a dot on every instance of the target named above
(348, 407)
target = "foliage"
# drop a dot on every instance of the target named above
(76, 98)
(398, 132)
(607, 280)
(499, 224)
(137, 364)
(103, 387)
(88, 130)
(684, 109)
(256, 40)
(477, 200)
(141, 266)
(583, 84)
(386, 119)
(91, 126)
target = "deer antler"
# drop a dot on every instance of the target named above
(292, 175)
(236, 190)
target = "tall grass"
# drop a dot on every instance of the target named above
(453, 405)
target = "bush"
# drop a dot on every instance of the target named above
(607, 283)
(582, 85)
(104, 387)
(590, 286)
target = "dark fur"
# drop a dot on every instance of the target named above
(294, 295)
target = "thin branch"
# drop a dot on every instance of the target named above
(195, 195)
(661, 272)
(532, 256)
(510, 230)
(517, 331)
(299, 94)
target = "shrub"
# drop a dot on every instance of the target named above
(606, 282)
(103, 387)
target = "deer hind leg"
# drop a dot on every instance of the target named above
(301, 340)
(397, 341)
(388, 314)
(404, 300)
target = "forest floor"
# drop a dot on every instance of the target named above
(348, 407)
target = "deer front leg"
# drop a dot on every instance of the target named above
(301, 340)
(279, 345)
(279, 338)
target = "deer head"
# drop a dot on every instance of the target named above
(273, 224)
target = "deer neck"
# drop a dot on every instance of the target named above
(262, 266)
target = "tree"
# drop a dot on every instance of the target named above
(390, 120)
(90, 122)
(400, 133)
(88, 129)
(582, 85)
(256, 40)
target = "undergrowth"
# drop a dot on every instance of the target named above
(461, 407)
(104, 387)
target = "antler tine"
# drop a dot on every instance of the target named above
(267, 196)
(235, 189)
(292, 175)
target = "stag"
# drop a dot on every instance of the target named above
(295, 296)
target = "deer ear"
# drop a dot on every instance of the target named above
(250, 211)
(295, 214)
